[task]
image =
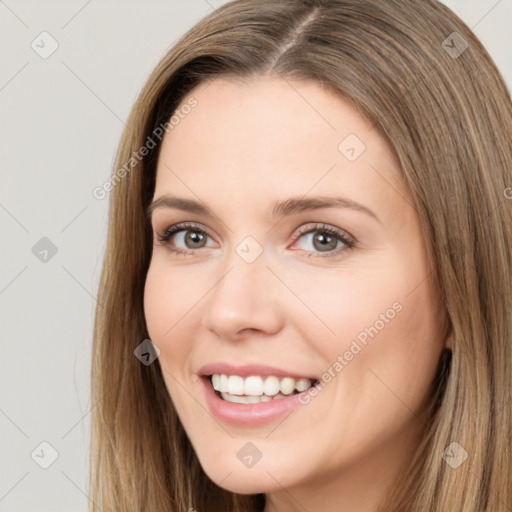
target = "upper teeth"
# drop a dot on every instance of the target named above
(256, 386)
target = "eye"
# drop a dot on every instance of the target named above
(190, 234)
(325, 239)
(321, 237)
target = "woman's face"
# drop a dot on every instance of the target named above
(261, 290)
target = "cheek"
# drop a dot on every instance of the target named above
(345, 306)
(380, 332)
(171, 294)
(167, 307)
(168, 301)
(159, 301)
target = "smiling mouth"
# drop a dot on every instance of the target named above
(255, 389)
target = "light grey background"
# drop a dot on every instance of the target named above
(61, 120)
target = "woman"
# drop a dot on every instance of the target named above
(236, 367)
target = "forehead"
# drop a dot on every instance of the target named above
(269, 137)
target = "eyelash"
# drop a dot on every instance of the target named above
(321, 228)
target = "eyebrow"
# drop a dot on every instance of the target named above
(280, 208)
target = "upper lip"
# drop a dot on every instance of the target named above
(250, 369)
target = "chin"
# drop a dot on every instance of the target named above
(242, 480)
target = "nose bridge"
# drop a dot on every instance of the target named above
(243, 295)
(245, 270)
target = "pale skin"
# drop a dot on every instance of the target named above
(243, 147)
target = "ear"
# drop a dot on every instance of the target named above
(448, 341)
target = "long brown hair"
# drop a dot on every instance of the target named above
(431, 89)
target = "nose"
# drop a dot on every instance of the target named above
(245, 298)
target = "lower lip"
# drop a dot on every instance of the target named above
(249, 414)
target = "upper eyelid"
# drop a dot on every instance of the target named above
(184, 226)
